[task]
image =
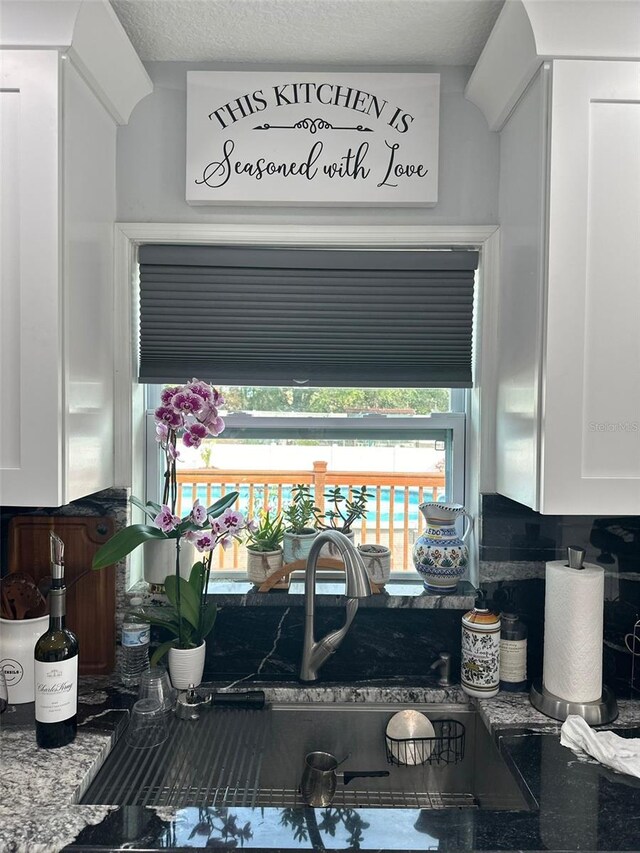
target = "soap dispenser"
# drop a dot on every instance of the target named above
(480, 674)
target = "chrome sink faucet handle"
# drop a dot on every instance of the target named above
(315, 653)
(443, 666)
(190, 702)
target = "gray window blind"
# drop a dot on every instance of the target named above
(274, 316)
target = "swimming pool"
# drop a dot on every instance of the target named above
(386, 510)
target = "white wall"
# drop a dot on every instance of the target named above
(151, 162)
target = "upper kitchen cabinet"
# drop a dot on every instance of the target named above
(63, 67)
(568, 348)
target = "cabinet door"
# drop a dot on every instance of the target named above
(30, 307)
(590, 417)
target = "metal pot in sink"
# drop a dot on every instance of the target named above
(320, 778)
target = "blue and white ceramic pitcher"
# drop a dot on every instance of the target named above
(439, 554)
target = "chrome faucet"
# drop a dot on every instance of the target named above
(314, 654)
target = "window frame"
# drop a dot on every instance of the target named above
(129, 432)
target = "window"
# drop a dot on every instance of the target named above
(405, 445)
(339, 322)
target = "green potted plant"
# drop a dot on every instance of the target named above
(188, 616)
(377, 562)
(300, 520)
(341, 514)
(264, 547)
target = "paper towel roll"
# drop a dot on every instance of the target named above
(573, 617)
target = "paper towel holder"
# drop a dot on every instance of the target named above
(603, 710)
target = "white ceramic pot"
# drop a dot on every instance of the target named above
(186, 666)
(262, 564)
(377, 562)
(331, 551)
(17, 640)
(296, 546)
(160, 559)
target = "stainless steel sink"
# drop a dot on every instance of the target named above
(255, 758)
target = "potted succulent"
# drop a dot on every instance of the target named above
(377, 562)
(300, 519)
(264, 547)
(343, 511)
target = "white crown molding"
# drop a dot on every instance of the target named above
(530, 32)
(352, 236)
(89, 32)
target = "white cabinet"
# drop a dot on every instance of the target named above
(56, 318)
(69, 75)
(568, 419)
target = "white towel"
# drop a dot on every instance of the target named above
(620, 753)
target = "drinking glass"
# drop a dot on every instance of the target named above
(155, 684)
(148, 726)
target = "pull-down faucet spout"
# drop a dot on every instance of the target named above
(314, 654)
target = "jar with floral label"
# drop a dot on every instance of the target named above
(480, 672)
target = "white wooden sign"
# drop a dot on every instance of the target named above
(298, 138)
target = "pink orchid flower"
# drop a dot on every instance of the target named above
(198, 513)
(166, 520)
(204, 541)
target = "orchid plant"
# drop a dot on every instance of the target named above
(189, 616)
(190, 412)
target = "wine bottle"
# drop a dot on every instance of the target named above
(56, 665)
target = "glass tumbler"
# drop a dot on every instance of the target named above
(148, 726)
(156, 684)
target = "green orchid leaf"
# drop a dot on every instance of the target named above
(189, 601)
(209, 615)
(138, 503)
(196, 579)
(225, 502)
(124, 542)
(161, 651)
(161, 617)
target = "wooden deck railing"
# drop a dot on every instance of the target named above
(264, 488)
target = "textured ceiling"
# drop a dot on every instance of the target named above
(323, 32)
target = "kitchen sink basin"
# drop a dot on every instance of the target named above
(256, 758)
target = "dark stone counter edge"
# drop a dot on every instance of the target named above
(399, 595)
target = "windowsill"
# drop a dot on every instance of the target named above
(398, 594)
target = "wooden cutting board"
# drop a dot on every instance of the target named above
(91, 602)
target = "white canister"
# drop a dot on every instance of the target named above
(17, 640)
(480, 673)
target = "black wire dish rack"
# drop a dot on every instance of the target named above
(445, 747)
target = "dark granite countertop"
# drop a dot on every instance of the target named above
(579, 805)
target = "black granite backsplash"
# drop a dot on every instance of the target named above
(381, 644)
(513, 532)
(515, 544)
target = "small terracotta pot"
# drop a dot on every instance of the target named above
(262, 564)
(186, 666)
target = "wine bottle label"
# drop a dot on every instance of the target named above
(513, 660)
(56, 690)
(136, 636)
